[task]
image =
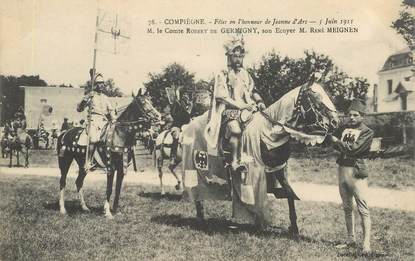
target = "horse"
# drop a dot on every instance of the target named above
(18, 141)
(114, 151)
(306, 113)
(181, 113)
(161, 152)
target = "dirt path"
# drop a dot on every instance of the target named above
(377, 197)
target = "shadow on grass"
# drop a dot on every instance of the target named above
(158, 196)
(223, 226)
(354, 253)
(73, 207)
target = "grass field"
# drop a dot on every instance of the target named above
(395, 173)
(150, 228)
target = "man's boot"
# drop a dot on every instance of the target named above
(234, 142)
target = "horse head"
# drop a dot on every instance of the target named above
(140, 110)
(306, 112)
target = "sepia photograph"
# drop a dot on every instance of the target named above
(207, 130)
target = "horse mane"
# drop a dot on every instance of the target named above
(282, 110)
(126, 111)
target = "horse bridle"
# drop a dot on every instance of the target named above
(305, 109)
(144, 119)
(302, 109)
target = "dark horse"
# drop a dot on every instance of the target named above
(17, 140)
(114, 150)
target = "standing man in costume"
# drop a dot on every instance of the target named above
(234, 92)
(180, 112)
(354, 143)
(101, 112)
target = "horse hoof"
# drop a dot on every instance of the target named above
(295, 235)
(177, 187)
(85, 208)
(63, 212)
(109, 216)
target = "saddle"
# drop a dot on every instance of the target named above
(164, 142)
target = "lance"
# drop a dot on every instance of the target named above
(93, 75)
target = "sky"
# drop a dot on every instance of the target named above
(55, 39)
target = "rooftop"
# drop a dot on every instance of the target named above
(403, 58)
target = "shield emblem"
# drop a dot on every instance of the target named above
(200, 159)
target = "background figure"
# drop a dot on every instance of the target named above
(65, 125)
(82, 123)
(354, 142)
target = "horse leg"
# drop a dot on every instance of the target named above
(27, 158)
(199, 210)
(110, 178)
(118, 185)
(64, 165)
(172, 168)
(17, 158)
(291, 196)
(159, 168)
(10, 156)
(293, 219)
(80, 181)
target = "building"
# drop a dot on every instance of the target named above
(62, 101)
(396, 83)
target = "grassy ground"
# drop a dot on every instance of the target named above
(151, 228)
(396, 173)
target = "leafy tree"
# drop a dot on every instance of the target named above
(276, 75)
(174, 75)
(405, 24)
(12, 96)
(110, 88)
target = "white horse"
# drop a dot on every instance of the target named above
(306, 114)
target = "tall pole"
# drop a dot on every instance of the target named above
(94, 60)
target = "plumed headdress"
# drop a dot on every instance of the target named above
(233, 43)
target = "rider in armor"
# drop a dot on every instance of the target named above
(234, 92)
(180, 112)
(101, 112)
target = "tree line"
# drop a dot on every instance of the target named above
(274, 76)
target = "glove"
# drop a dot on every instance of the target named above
(261, 106)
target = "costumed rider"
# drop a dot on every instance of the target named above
(234, 95)
(101, 112)
(181, 114)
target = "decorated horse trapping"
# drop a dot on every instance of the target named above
(265, 149)
(114, 150)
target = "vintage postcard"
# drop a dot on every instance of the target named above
(207, 130)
